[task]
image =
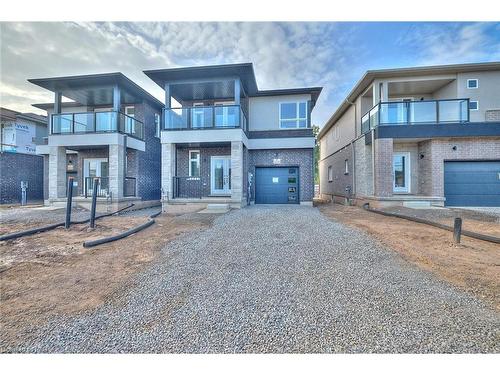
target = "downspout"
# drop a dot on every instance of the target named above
(353, 192)
(373, 161)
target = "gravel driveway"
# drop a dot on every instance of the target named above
(278, 279)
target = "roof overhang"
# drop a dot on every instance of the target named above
(313, 91)
(97, 89)
(47, 106)
(209, 77)
(371, 75)
(10, 115)
(213, 82)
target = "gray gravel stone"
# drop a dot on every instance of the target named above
(278, 279)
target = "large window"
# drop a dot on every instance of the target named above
(194, 163)
(293, 115)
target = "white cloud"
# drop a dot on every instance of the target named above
(455, 43)
(284, 54)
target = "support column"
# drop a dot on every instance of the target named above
(57, 172)
(117, 102)
(237, 91)
(116, 160)
(168, 96)
(383, 167)
(237, 172)
(57, 108)
(167, 169)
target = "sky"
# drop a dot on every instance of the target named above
(285, 55)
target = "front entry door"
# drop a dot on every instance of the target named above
(401, 172)
(95, 168)
(220, 175)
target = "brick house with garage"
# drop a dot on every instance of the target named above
(416, 137)
(224, 141)
(20, 133)
(108, 131)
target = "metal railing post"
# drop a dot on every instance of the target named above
(69, 202)
(437, 112)
(457, 229)
(94, 203)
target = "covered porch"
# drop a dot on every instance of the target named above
(209, 172)
(412, 101)
(114, 166)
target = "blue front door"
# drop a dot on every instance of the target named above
(277, 185)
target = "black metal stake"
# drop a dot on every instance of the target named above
(457, 229)
(69, 202)
(94, 202)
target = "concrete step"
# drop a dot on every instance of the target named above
(417, 204)
(218, 206)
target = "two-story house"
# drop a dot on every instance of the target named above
(20, 167)
(109, 131)
(225, 141)
(416, 137)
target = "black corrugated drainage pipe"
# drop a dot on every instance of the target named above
(123, 234)
(478, 236)
(46, 228)
(120, 235)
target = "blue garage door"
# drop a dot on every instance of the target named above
(472, 183)
(277, 185)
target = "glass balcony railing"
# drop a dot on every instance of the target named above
(97, 122)
(210, 117)
(416, 112)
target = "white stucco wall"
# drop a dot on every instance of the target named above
(488, 92)
(264, 110)
(339, 135)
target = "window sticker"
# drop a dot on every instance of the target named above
(276, 180)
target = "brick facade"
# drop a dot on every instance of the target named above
(363, 168)
(383, 167)
(303, 158)
(15, 168)
(149, 161)
(191, 189)
(342, 183)
(436, 151)
(427, 160)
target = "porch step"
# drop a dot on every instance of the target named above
(417, 204)
(217, 208)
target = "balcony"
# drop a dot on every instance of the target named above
(206, 117)
(97, 122)
(448, 111)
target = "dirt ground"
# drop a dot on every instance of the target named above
(472, 265)
(479, 222)
(41, 274)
